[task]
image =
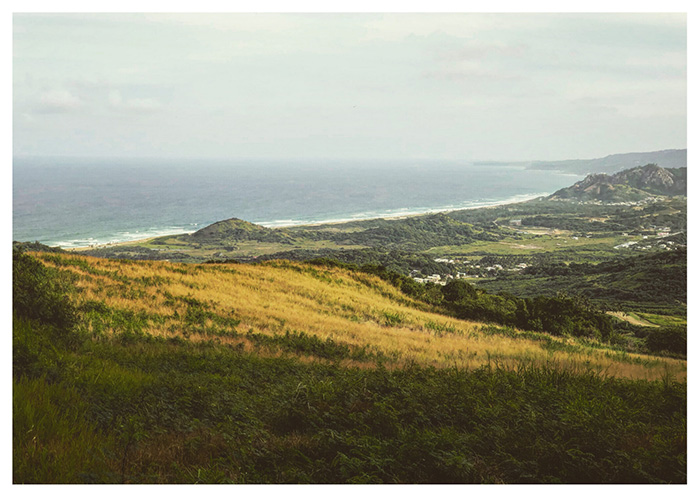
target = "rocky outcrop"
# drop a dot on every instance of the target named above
(629, 185)
(654, 179)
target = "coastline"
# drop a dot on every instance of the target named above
(403, 215)
(114, 244)
(292, 224)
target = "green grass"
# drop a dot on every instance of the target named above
(663, 320)
(177, 412)
(131, 408)
(53, 441)
(243, 249)
(533, 244)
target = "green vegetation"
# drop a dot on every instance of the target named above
(344, 369)
(603, 252)
(608, 256)
(654, 283)
(131, 407)
(394, 260)
(558, 315)
(670, 339)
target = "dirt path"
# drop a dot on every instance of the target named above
(632, 320)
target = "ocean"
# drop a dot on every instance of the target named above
(80, 202)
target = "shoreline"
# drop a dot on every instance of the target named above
(273, 224)
(405, 215)
(113, 244)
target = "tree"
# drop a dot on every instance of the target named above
(457, 290)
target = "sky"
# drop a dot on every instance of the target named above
(504, 87)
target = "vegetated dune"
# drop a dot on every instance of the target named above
(238, 304)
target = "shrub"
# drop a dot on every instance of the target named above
(38, 294)
(43, 319)
(457, 290)
(669, 338)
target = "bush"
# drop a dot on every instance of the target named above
(669, 338)
(38, 294)
(457, 290)
(43, 319)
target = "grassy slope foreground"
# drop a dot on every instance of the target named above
(285, 372)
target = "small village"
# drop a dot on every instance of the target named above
(656, 239)
(470, 271)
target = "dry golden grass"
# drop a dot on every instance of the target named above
(354, 309)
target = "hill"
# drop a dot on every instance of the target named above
(630, 185)
(617, 162)
(232, 302)
(154, 372)
(239, 230)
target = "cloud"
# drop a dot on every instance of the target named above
(115, 98)
(136, 105)
(278, 79)
(58, 101)
(142, 105)
(473, 74)
(479, 51)
(251, 22)
(397, 27)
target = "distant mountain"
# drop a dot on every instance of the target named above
(628, 185)
(617, 162)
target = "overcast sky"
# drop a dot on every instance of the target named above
(357, 86)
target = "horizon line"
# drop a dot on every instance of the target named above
(320, 159)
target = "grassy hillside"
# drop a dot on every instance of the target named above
(285, 372)
(231, 303)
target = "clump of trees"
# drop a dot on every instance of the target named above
(560, 315)
(669, 339)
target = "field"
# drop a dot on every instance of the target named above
(156, 372)
(560, 244)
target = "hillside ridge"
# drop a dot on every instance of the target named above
(670, 158)
(628, 185)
